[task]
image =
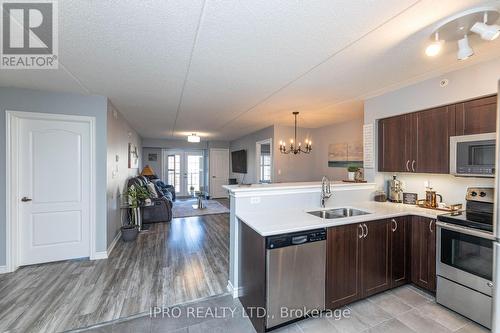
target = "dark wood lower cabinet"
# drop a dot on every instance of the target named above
(368, 258)
(376, 257)
(343, 265)
(400, 251)
(423, 252)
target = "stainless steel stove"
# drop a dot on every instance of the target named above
(465, 257)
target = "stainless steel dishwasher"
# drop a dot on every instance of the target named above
(295, 275)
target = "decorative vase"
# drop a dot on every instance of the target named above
(351, 176)
(129, 233)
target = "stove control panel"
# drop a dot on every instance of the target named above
(482, 194)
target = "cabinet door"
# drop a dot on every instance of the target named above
(400, 251)
(423, 252)
(343, 284)
(375, 256)
(393, 137)
(477, 116)
(433, 129)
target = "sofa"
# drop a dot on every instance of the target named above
(160, 209)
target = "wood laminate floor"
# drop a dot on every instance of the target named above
(172, 263)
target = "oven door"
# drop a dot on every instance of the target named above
(465, 256)
(473, 155)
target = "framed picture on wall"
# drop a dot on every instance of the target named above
(133, 156)
(152, 157)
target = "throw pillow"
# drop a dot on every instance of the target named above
(152, 190)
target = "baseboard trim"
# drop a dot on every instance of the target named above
(235, 292)
(114, 242)
(3, 270)
(100, 255)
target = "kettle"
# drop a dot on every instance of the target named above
(431, 198)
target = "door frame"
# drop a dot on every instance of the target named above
(11, 174)
(258, 144)
(184, 193)
(226, 150)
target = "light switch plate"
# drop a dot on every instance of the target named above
(254, 200)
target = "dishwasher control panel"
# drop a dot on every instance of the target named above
(296, 238)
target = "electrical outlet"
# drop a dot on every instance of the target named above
(254, 200)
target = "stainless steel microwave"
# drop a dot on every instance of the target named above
(473, 155)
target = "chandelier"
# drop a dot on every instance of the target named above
(295, 149)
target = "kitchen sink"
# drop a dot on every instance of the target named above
(338, 213)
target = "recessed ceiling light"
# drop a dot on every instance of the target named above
(464, 49)
(434, 48)
(194, 138)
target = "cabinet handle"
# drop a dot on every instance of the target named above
(362, 233)
(413, 165)
(395, 225)
(430, 226)
(408, 165)
(366, 233)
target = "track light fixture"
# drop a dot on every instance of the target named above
(464, 49)
(487, 32)
(434, 48)
(458, 28)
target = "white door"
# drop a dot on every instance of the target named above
(54, 184)
(185, 170)
(219, 172)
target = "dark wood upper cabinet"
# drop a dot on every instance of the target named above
(376, 272)
(432, 130)
(393, 137)
(343, 260)
(420, 141)
(476, 116)
(423, 252)
(400, 251)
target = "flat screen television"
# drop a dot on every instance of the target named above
(239, 161)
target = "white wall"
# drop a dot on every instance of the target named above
(301, 167)
(248, 142)
(58, 103)
(345, 132)
(120, 133)
(155, 165)
(474, 81)
(290, 167)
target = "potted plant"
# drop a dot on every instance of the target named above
(351, 172)
(136, 196)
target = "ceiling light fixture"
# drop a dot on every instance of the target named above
(434, 48)
(487, 32)
(459, 27)
(194, 138)
(464, 49)
(295, 149)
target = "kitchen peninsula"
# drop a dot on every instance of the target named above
(379, 247)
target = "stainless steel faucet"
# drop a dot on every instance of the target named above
(326, 192)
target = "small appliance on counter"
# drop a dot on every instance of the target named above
(380, 196)
(431, 198)
(464, 258)
(395, 190)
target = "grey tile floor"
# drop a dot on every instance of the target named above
(406, 309)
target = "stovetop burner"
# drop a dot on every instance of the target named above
(478, 213)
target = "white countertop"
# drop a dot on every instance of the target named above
(280, 222)
(294, 185)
